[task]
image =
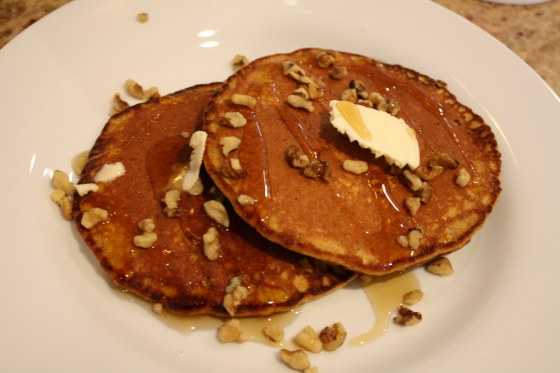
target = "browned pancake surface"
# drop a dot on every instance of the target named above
(348, 219)
(175, 272)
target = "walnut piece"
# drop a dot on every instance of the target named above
(325, 59)
(234, 119)
(412, 239)
(231, 332)
(94, 216)
(118, 104)
(317, 169)
(440, 266)
(245, 200)
(229, 144)
(296, 359)
(463, 178)
(296, 157)
(239, 61)
(147, 225)
(171, 201)
(243, 100)
(412, 204)
(355, 166)
(413, 297)
(412, 181)
(142, 17)
(333, 336)
(135, 90)
(299, 102)
(338, 72)
(211, 242)
(274, 332)
(349, 94)
(61, 182)
(428, 173)
(217, 212)
(407, 317)
(444, 160)
(64, 202)
(235, 294)
(309, 340)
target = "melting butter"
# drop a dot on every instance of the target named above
(380, 132)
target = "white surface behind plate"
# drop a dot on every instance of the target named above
(497, 313)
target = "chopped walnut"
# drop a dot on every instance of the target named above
(294, 70)
(299, 102)
(171, 201)
(94, 216)
(440, 266)
(211, 241)
(412, 204)
(231, 332)
(463, 178)
(274, 332)
(296, 157)
(333, 336)
(425, 192)
(157, 308)
(83, 189)
(245, 200)
(235, 294)
(349, 94)
(412, 181)
(428, 173)
(118, 104)
(64, 202)
(61, 182)
(444, 160)
(407, 317)
(135, 90)
(413, 297)
(239, 61)
(148, 237)
(309, 340)
(338, 72)
(302, 91)
(234, 119)
(355, 166)
(315, 89)
(317, 169)
(243, 100)
(217, 212)
(296, 359)
(142, 17)
(232, 169)
(360, 88)
(414, 238)
(147, 225)
(229, 144)
(145, 240)
(325, 59)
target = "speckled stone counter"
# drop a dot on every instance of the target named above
(531, 31)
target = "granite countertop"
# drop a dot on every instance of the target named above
(531, 31)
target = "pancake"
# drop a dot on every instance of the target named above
(247, 276)
(380, 221)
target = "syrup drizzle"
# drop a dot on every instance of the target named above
(384, 295)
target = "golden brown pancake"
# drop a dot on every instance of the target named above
(174, 271)
(360, 221)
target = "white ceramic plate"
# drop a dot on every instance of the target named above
(58, 313)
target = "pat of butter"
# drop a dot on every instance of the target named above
(109, 172)
(378, 131)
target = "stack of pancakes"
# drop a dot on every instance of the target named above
(293, 235)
